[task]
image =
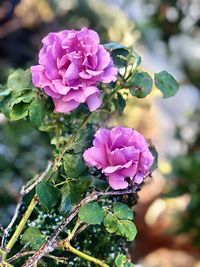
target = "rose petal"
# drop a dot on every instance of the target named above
(95, 157)
(64, 107)
(93, 101)
(117, 181)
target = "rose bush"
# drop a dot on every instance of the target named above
(71, 64)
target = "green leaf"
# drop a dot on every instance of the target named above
(83, 139)
(72, 193)
(91, 213)
(120, 260)
(19, 80)
(73, 165)
(112, 46)
(46, 127)
(17, 96)
(166, 83)
(141, 84)
(26, 96)
(120, 103)
(120, 57)
(127, 229)
(18, 112)
(33, 238)
(5, 105)
(37, 111)
(111, 223)
(100, 184)
(65, 204)
(122, 211)
(48, 194)
(84, 182)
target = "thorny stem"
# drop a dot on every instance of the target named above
(27, 253)
(66, 245)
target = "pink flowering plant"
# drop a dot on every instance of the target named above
(92, 180)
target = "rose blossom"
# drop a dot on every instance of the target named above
(121, 153)
(71, 63)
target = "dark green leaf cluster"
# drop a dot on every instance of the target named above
(19, 99)
(134, 80)
(119, 221)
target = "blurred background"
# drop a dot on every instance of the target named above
(167, 36)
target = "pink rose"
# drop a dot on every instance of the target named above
(122, 154)
(71, 64)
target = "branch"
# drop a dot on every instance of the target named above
(27, 253)
(66, 245)
(22, 223)
(26, 189)
(51, 243)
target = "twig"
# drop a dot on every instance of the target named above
(66, 245)
(37, 179)
(50, 244)
(81, 229)
(27, 253)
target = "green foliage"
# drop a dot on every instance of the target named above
(122, 211)
(19, 99)
(119, 54)
(65, 204)
(48, 194)
(121, 261)
(83, 139)
(72, 192)
(111, 223)
(166, 83)
(141, 84)
(37, 111)
(73, 165)
(127, 229)
(120, 103)
(19, 80)
(120, 221)
(33, 238)
(91, 213)
(120, 57)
